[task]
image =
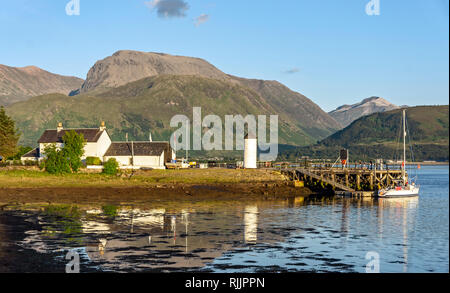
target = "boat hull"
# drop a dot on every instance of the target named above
(411, 192)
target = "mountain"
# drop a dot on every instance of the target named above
(116, 91)
(379, 135)
(19, 84)
(308, 115)
(147, 105)
(127, 66)
(346, 114)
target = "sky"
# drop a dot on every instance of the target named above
(331, 51)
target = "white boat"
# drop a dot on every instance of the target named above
(409, 190)
(401, 188)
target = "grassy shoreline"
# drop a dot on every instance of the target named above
(196, 184)
(26, 178)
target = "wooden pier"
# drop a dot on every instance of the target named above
(358, 182)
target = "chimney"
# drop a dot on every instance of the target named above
(103, 126)
(60, 127)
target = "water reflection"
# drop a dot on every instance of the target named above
(401, 211)
(139, 239)
(300, 234)
(251, 224)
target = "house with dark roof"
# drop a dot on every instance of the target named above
(141, 154)
(98, 144)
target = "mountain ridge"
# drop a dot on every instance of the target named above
(154, 80)
(378, 135)
(147, 105)
(346, 114)
(21, 83)
(126, 66)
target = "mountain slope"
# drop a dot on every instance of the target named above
(19, 84)
(379, 135)
(127, 66)
(346, 114)
(136, 92)
(148, 105)
(308, 114)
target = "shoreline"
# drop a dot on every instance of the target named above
(195, 184)
(136, 194)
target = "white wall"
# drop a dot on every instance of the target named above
(250, 153)
(103, 145)
(122, 160)
(99, 148)
(42, 147)
(147, 161)
(23, 159)
(91, 149)
(142, 161)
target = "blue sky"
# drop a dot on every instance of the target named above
(331, 51)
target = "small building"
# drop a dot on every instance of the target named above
(250, 151)
(140, 154)
(97, 142)
(32, 156)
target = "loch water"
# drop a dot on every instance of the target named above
(317, 234)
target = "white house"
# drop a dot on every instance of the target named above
(140, 154)
(99, 144)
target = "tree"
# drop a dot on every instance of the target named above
(55, 162)
(73, 149)
(9, 136)
(68, 159)
(93, 161)
(111, 167)
(20, 152)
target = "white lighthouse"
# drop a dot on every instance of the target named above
(250, 151)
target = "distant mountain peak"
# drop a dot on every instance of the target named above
(133, 52)
(127, 66)
(21, 83)
(31, 69)
(372, 99)
(378, 100)
(346, 114)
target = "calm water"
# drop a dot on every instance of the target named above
(313, 235)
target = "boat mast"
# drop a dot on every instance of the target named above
(187, 144)
(404, 145)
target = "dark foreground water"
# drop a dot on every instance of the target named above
(298, 235)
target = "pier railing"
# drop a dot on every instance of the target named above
(343, 179)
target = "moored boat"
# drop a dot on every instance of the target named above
(401, 188)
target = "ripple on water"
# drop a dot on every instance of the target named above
(333, 235)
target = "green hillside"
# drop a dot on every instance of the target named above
(148, 105)
(378, 136)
